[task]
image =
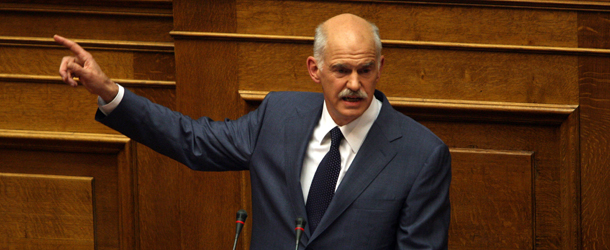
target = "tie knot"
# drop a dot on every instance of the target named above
(335, 137)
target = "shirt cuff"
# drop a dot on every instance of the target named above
(107, 108)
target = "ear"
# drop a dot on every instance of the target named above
(381, 62)
(312, 67)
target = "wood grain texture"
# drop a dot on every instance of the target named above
(411, 21)
(130, 40)
(211, 15)
(420, 73)
(35, 106)
(101, 167)
(544, 143)
(209, 91)
(392, 43)
(158, 200)
(124, 7)
(90, 44)
(80, 25)
(116, 64)
(594, 79)
(492, 198)
(46, 212)
(208, 200)
(105, 158)
(570, 179)
(570, 5)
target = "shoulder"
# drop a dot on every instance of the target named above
(290, 96)
(288, 100)
(398, 125)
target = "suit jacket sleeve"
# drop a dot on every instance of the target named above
(425, 216)
(200, 144)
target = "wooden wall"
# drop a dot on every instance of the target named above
(66, 181)
(518, 90)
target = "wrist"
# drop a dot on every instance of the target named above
(110, 93)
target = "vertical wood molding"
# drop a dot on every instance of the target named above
(211, 90)
(570, 183)
(594, 81)
(128, 202)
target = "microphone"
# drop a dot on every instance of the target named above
(241, 220)
(299, 229)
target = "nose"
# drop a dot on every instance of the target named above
(353, 82)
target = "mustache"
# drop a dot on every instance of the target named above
(348, 92)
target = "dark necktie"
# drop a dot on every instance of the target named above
(324, 181)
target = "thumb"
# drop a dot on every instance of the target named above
(76, 69)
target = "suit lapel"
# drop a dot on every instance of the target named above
(297, 135)
(376, 152)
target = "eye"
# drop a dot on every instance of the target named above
(364, 71)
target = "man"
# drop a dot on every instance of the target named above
(377, 180)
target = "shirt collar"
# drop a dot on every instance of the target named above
(354, 132)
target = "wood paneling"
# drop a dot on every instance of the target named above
(215, 196)
(46, 212)
(131, 42)
(463, 75)
(116, 63)
(550, 208)
(402, 21)
(105, 158)
(34, 106)
(594, 78)
(517, 89)
(158, 200)
(79, 24)
(492, 193)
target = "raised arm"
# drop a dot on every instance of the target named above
(82, 65)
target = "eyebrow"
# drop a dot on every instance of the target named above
(344, 66)
(338, 66)
(368, 64)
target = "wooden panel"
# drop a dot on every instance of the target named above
(211, 15)
(81, 24)
(405, 21)
(492, 195)
(130, 40)
(46, 212)
(463, 75)
(116, 64)
(570, 180)
(105, 158)
(58, 107)
(215, 196)
(594, 77)
(158, 200)
(545, 143)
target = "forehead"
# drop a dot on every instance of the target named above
(350, 51)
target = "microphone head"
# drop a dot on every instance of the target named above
(242, 215)
(300, 222)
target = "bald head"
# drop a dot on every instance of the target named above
(342, 28)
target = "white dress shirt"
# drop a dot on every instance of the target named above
(354, 133)
(106, 108)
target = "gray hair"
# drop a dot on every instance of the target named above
(320, 40)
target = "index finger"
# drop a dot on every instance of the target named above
(74, 47)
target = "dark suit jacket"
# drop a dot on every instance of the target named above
(394, 196)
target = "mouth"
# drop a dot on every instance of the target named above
(352, 99)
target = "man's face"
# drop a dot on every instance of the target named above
(348, 77)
